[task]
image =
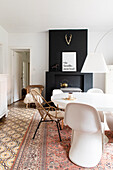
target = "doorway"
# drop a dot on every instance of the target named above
(20, 72)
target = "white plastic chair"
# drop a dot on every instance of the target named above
(56, 91)
(97, 90)
(94, 90)
(86, 144)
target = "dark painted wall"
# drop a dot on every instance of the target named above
(53, 80)
(57, 45)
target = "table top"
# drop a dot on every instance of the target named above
(101, 101)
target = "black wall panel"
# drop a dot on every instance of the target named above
(57, 45)
(53, 80)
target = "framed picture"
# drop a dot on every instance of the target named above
(68, 61)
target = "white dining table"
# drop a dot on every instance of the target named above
(101, 101)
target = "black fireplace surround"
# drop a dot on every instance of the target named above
(57, 44)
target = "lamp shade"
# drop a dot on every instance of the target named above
(94, 63)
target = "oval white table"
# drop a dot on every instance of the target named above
(101, 101)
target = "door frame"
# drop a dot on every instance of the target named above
(11, 51)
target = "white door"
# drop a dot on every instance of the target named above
(17, 76)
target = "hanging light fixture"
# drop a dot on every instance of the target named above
(95, 62)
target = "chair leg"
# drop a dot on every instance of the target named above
(60, 126)
(27, 106)
(37, 129)
(58, 131)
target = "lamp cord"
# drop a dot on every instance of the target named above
(102, 38)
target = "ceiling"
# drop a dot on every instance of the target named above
(31, 16)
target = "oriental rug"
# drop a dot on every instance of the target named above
(45, 152)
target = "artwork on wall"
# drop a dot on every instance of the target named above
(69, 61)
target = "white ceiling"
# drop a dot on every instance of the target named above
(17, 16)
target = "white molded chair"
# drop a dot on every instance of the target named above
(56, 91)
(97, 90)
(94, 90)
(86, 144)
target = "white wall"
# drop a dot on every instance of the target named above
(4, 59)
(106, 47)
(39, 53)
(38, 43)
(4, 50)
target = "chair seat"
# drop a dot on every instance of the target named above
(60, 114)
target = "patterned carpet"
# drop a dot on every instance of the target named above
(12, 131)
(45, 152)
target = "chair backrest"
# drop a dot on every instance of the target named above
(56, 91)
(95, 90)
(38, 99)
(82, 117)
(30, 87)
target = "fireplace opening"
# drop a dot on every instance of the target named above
(75, 81)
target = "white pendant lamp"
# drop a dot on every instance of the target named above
(95, 62)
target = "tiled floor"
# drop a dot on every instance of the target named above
(12, 130)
